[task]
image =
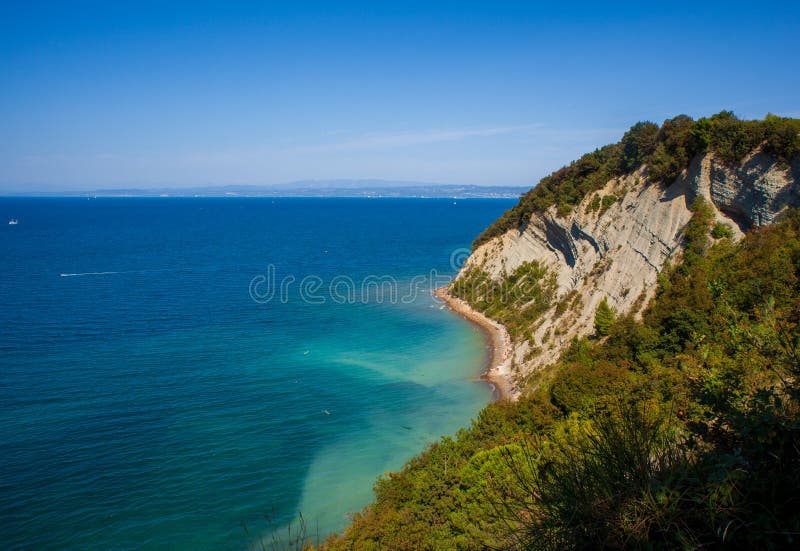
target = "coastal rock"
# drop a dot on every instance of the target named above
(617, 252)
(753, 192)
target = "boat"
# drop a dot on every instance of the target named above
(13, 222)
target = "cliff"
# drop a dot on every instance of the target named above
(641, 436)
(616, 240)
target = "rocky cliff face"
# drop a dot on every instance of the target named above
(618, 239)
(751, 193)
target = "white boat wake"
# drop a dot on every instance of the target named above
(88, 274)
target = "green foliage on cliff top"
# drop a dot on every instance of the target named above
(679, 430)
(667, 150)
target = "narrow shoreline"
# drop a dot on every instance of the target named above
(498, 370)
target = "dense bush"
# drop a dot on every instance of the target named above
(603, 483)
(721, 230)
(581, 385)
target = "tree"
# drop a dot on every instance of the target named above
(604, 318)
(638, 143)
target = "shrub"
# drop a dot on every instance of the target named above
(594, 206)
(607, 201)
(602, 484)
(579, 386)
(721, 230)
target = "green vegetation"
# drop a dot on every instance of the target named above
(681, 430)
(517, 301)
(564, 188)
(721, 230)
(676, 146)
(638, 144)
(594, 206)
(606, 203)
(604, 318)
(667, 150)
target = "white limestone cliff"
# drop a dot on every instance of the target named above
(617, 253)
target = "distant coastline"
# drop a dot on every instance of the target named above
(333, 189)
(498, 369)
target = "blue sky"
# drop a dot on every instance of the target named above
(102, 95)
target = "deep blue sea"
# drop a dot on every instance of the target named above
(175, 370)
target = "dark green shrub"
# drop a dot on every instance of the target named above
(579, 386)
(721, 230)
(594, 206)
(603, 484)
(607, 201)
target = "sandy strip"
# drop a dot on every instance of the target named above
(498, 372)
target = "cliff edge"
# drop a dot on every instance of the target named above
(616, 240)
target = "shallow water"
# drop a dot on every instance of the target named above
(147, 400)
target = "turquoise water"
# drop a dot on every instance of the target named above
(148, 400)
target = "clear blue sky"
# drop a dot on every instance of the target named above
(112, 94)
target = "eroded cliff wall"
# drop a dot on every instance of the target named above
(617, 240)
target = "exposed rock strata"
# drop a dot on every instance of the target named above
(618, 253)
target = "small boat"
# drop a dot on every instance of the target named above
(13, 222)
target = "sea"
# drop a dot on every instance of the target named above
(217, 373)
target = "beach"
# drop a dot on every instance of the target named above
(498, 371)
